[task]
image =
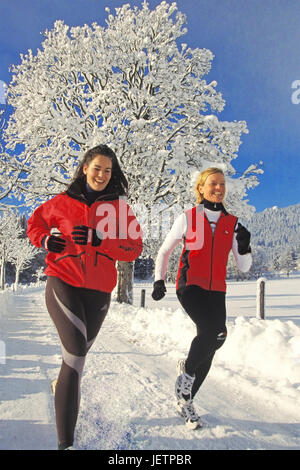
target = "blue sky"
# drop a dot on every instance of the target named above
(256, 49)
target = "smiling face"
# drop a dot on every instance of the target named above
(213, 189)
(98, 172)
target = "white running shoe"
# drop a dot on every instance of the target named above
(183, 391)
(184, 383)
(187, 411)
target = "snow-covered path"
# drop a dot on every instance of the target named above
(127, 389)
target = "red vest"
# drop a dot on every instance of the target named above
(203, 261)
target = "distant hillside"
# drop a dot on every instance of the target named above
(276, 229)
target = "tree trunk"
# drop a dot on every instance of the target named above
(16, 284)
(125, 282)
(2, 274)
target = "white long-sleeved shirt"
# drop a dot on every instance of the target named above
(176, 235)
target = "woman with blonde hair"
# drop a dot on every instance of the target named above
(208, 233)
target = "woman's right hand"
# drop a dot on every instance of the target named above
(159, 290)
(53, 243)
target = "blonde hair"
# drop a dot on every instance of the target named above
(201, 180)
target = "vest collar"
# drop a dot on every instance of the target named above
(219, 207)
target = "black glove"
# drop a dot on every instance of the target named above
(159, 290)
(80, 236)
(53, 243)
(243, 239)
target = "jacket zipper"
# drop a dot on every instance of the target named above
(211, 259)
(212, 249)
(87, 260)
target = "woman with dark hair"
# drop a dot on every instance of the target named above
(208, 233)
(118, 183)
(85, 230)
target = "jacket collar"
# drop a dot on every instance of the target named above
(77, 191)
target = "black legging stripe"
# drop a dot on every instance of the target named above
(78, 315)
(208, 312)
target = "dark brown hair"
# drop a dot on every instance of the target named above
(118, 183)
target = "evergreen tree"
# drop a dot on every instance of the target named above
(287, 261)
(259, 264)
(275, 264)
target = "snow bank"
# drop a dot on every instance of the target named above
(268, 348)
(264, 353)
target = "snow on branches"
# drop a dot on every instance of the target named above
(132, 85)
(13, 248)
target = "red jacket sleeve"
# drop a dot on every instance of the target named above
(39, 224)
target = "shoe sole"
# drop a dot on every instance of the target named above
(193, 426)
(189, 424)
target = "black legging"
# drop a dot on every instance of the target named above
(78, 314)
(207, 310)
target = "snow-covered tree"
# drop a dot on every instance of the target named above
(287, 261)
(143, 268)
(298, 259)
(259, 263)
(10, 230)
(134, 86)
(39, 274)
(276, 229)
(23, 254)
(275, 263)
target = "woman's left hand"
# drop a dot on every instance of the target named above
(243, 239)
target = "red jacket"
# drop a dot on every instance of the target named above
(203, 261)
(86, 265)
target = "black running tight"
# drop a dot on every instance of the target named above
(208, 312)
(78, 315)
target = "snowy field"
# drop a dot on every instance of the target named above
(250, 400)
